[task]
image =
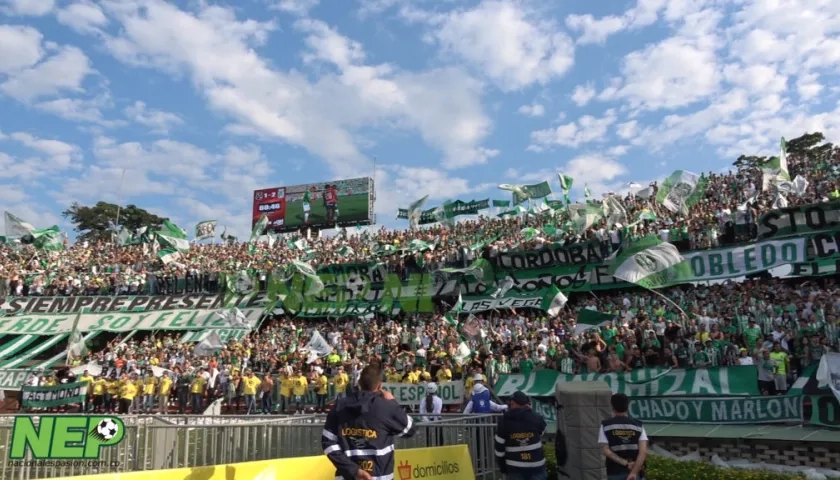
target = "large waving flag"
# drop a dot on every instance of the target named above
(649, 263)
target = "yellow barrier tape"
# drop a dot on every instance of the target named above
(438, 463)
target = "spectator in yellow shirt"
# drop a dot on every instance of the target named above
(249, 391)
(782, 360)
(163, 393)
(444, 373)
(149, 389)
(321, 393)
(197, 392)
(128, 391)
(341, 380)
(286, 385)
(99, 389)
(299, 390)
(112, 395)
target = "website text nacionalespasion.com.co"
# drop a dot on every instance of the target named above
(62, 463)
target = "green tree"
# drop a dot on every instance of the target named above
(811, 145)
(97, 222)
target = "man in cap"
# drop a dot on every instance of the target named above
(480, 398)
(518, 441)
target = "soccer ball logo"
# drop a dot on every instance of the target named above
(106, 429)
(355, 285)
(243, 284)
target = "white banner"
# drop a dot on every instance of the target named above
(409, 394)
(39, 324)
(828, 373)
(723, 263)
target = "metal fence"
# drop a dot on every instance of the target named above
(154, 442)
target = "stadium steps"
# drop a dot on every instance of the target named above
(16, 344)
(35, 351)
(48, 363)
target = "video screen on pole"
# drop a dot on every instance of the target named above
(336, 203)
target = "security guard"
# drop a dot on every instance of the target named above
(623, 442)
(358, 435)
(519, 449)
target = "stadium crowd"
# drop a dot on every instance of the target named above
(780, 325)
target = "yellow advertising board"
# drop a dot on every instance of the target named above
(438, 463)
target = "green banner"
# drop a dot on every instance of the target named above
(825, 411)
(451, 210)
(700, 410)
(800, 219)
(538, 190)
(646, 382)
(54, 396)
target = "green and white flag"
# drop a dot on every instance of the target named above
(681, 191)
(775, 170)
(169, 255)
(205, 229)
(528, 192)
(173, 230)
(53, 396)
(501, 203)
(565, 182)
(16, 227)
(529, 233)
(451, 316)
(586, 192)
(463, 354)
(124, 236)
(553, 301)
(649, 263)
(48, 238)
(415, 211)
(178, 243)
(344, 251)
(585, 215)
(259, 228)
(315, 285)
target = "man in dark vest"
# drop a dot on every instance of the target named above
(623, 442)
(518, 441)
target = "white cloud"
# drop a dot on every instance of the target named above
(81, 110)
(586, 129)
(158, 121)
(64, 71)
(512, 45)
(33, 8)
(20, 48)
(627, 130)
(216, 51)
(533, 110)
(83, 17)
(297, 7)
(808, 86)
(61, 155)
(595, 30)
(583, 94)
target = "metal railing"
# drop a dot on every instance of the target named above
(153, 442)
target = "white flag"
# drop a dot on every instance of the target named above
(554, 301)
(318, 347)
(210, 345)
(16, 227)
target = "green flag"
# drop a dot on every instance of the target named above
(565, 182)
(259, 228)
(553, 301)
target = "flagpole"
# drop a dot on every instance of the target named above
(119, 201)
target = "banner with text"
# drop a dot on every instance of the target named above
(53, 396)
(451, 210)
(800, 219)
(825, 411)
(699, 410)
(646, 382)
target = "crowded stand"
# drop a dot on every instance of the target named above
(780, 325)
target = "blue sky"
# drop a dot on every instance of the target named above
(203, 102)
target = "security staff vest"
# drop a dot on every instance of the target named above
(623, 434)
(481, 402)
